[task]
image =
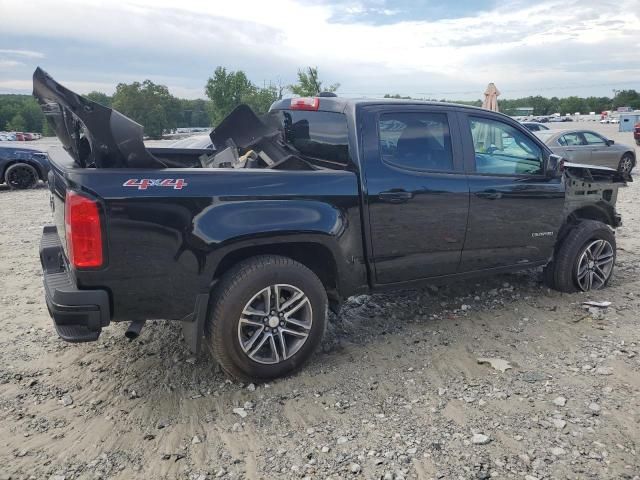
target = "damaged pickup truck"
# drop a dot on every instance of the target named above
(248, 246)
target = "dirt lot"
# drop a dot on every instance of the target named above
(396, 391)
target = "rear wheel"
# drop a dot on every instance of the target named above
(626, 163)
(269, 314)
(585, 260)
(21, 176)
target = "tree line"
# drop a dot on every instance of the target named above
(153, 106)
(548, 106)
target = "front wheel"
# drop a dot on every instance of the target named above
(585, 260)
(269, 314)
(626, 163)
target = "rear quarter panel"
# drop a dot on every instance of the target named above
(164, 244)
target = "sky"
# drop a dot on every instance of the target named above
(421, 48)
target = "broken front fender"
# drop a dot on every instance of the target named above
(592, 192)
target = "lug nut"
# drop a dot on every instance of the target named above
(267, 329)
(282, 324)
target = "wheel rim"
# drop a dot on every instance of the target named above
(595, 265)
(21, 177)
(275, 324)
(626, 164)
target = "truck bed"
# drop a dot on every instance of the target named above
(172, 227)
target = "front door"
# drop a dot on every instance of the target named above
(602, 153)
(417, 193)
(515, 211)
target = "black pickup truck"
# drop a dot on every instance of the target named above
(322, 198)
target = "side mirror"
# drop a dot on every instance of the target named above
(610, 142)
(554, 163)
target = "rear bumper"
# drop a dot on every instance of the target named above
(78, 315)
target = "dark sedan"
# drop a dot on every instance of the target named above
(21, 167)
(588, 147)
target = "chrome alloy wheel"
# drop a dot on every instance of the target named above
(275, 324)
(626, 164)
(595, 265)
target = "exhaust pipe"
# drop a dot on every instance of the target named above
(133, 331)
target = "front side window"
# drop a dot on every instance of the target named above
(416, 140)
(593, 139)
(504, 150)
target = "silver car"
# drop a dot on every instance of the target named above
(585, 146)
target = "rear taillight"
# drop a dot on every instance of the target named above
(83, 231)
(305, 103)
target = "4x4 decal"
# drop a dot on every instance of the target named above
(144, 183)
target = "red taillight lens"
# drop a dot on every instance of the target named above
(305, 103)
(83, 230)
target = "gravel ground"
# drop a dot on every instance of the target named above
(396, 391)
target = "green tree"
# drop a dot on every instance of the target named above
(227, 90)
(99, 97)
(16, 124)
(309, 83)
(194, 113)
(32, 114)
(572, 105)
(396, 96)
(149, 104)
(627, 98)
(262, 98)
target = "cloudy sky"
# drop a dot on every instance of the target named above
(423, 48)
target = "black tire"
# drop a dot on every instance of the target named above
(627, 163)
(21, 176)
(238, 287)
(562, 273)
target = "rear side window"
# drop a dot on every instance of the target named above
(571, 140)
(416, 140)
(317, 135)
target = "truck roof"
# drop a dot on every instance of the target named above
(341, 104)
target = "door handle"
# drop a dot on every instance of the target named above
(489, 195)
(395, 196)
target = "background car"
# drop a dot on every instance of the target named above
(587, 147)
(202, 142)
(21, 167)
(636, 133)
(535, 126)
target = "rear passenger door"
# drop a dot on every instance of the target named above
(515, 211)
(417, 197)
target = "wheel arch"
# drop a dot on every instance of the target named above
(316, 256)
(41, 173)
(601, 213)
